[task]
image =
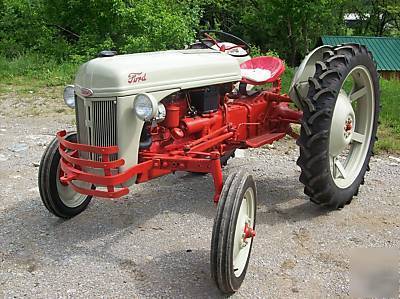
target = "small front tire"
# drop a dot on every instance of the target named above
(61, 200)
(233, 232)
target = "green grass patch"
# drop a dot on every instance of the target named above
(390, 100)
(389, 141)
(389, 130)
(287, 79)
(30, 73)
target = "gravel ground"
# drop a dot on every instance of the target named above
(155, 241)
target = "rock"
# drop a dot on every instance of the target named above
(41, 143)
(239, 153)
(36, 164)
(3, 158)
(395, 159)
(35, 189)
(393, 164)
(18, 147)
(3, 130)
(40, 140)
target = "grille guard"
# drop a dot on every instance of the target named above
(153, 165)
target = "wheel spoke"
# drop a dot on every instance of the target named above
(358, 137)
(338, 169)
(239, 229)
(358, 94)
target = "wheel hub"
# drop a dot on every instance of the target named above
(248, 233)
(348, 127)
(343, 124)
(68, 196)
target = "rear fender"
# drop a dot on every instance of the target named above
(299, 86)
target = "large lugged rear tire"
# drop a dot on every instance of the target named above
(61, 200)
(339, 127)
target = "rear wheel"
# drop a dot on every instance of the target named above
(339, 125)
(60, 199)
(233, 232)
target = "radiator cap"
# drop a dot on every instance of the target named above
(107, 53)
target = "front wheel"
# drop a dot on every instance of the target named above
(340, 119)
(60, 199)
(233, 232)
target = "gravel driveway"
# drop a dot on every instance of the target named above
(155, 241)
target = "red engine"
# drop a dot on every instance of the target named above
(195, 115)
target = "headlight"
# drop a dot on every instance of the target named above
(69, 96)
(145, 106)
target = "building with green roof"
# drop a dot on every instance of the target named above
(386, 51)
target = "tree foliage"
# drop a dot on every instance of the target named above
(292, 26)
(65, 28)
(375, 17)
(78, 29)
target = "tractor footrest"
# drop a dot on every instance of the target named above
(264, 139)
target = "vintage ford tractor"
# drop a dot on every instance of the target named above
(142, 116)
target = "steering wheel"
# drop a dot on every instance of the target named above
(209, 38)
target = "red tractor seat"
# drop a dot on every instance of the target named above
(261, 70)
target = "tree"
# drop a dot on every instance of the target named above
(375, 17)
(81, 28)
(291, 27)
(127, 26)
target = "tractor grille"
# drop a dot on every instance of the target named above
(97, 123)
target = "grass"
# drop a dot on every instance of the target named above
(389, 130)
(33, 74)
(30, 73)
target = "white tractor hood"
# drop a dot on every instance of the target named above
(123, 75)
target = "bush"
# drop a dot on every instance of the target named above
(22, 29)
(81, 29)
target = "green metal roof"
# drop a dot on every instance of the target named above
(386, 50)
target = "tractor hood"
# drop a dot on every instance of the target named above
(155, 71)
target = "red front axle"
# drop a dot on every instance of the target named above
(73, 168)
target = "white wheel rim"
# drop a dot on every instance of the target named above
(69, 196)
(351, 128)
(242, 245)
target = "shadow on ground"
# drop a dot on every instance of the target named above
(113, 221)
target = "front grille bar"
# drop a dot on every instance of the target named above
(98, 124)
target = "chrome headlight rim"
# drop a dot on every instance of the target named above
(161, 112)
(152, 106)
(69, 96)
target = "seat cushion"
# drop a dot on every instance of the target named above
(256, 75)
(261, 70)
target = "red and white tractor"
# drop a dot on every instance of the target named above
(142, 116)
